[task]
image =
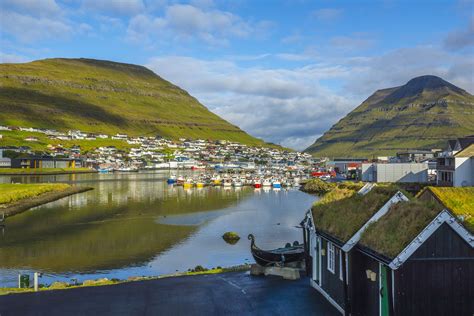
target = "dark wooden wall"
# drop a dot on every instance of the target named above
(438, 279)
(363, 293)
(331, 283)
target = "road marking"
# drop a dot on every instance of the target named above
(233, 284)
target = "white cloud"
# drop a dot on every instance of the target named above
(286, 106)
(32, 7)
(111, 7)
(29, 29)
(12, 58)
(183, 21)
(460, 39)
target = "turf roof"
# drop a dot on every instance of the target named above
(342, 212)
(396, 229)
(460, 201)
(466, 152)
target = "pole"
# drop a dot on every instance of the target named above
(36, 281)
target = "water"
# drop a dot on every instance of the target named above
(137, 225)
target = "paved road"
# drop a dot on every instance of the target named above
(234, 293)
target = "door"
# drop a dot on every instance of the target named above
(383, 291)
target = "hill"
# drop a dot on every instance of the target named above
(98, 96)
(422, 114)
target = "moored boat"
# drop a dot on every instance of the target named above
(276, 256)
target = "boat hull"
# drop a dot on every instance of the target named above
(278, 256)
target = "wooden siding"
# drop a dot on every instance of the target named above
(363, 293)
(330, 281)
(438, 279)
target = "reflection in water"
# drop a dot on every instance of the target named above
(135, 224)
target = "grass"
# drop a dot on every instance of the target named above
(43, 170)
(10, 193)
(342, 212)
(460, 201)
(319, 186)
(395, 230)
(106, 97)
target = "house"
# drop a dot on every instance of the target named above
(455, 166)
(333, 227)
(395, 172)
(415, 155)
(414, 259)
(45, 162)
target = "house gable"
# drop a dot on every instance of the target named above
(443, 217)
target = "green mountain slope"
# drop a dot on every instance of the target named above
(422, 114)
(106, 97)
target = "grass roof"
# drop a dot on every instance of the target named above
(460, 201)
(396, 229)
(466, 152)
(342, 212)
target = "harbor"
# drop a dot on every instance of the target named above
(136, 224)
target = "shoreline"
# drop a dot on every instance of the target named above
(40, 172)
(110, 282)
(21, 206)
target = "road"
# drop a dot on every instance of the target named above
(235, 293)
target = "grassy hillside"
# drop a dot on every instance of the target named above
(106, 97)
(423, 114)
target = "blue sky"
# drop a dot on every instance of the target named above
(283, 70)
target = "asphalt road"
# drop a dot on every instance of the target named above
(234, 293)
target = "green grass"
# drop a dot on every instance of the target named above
(342, 212)
(395, 230)
(459, 201)
(43, 170)
(10, 193)
(106, 97)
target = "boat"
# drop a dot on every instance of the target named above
(227, 183)
(237, 183)
(188, 184)
(200, 184)
(267, 183)
(171, 180)
(126, 169)
(276, 184)
(257, 184)
(277, 256)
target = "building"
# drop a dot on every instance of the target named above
(4, 161)
(390, 262)
(415, 155)
(455, 166)
(45, 162)
(395, 172)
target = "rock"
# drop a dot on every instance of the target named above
(231, 237)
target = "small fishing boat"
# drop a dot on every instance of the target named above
(188, 184)
(267, 183)
(237, 183)
(200, 184)
(227, 182)
(257, 184)
(171, 179)
(276, 184)
(276, 256)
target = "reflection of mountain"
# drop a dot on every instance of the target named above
(110, 227)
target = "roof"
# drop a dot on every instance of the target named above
(342, 212)
(460, 201)
(466, 152)
(395, 230)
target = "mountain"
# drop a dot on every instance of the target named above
(105, 97)
(422, 114)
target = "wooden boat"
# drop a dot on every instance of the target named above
(276, 256)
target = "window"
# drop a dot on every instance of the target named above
(331, 257)
(340, 265)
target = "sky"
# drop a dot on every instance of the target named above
(284, 71)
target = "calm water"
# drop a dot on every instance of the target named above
(137, 225)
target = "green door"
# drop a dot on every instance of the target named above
(384, 310)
